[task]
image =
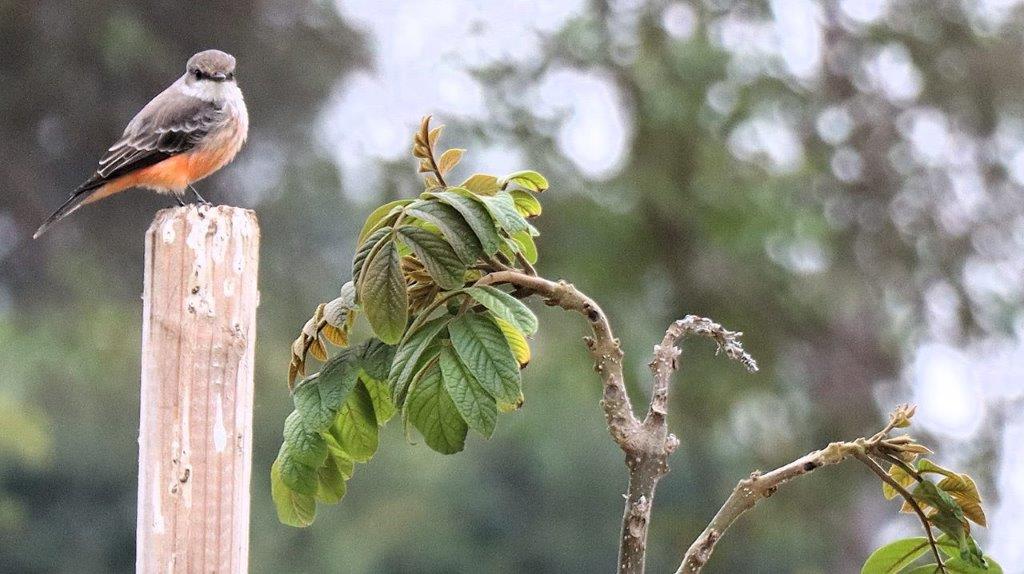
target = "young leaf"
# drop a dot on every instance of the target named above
(924, 466)
(452, 225)
(526, 246)
(430, 409)
(895, 556)
(318, 397)
(482, 184)
(962, 488)
(477, 407)
(380, 217)
(356, 428)
(436, 254)
(449, 159)
(526, 204)
(293, 509)
(516, 341)
(477, 216)
(505, 307)
(434, 135)
(383, 296)
(530, 180)
(305, 446)
(407, 358)
(899, 475)
(503, 210)
(331, 481)
(484, 350)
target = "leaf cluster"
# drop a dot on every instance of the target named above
(447, 349)
(949, 503)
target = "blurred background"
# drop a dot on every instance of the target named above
(840, 179)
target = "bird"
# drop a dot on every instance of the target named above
(187, 132)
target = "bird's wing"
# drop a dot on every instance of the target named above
(172, 123)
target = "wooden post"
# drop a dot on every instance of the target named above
(195, 431)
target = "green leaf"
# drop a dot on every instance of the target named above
(407, 358)
(356, 428)
(516, 341)
(452, 225)
(293, 509)
(895, 556)
(305, 445)
(297, 476)
(483, 348)
(959, 566)
(318, 397)
(436, 254)
(375, 357)
(477, 407)
(430, 409)
(952, 549)
(359, 260)
(383, 296)
(506, 307)
(524, 244)
(345, 465)
(380, 396)
(380, 217)
(949, 518)
(530, 180)
(482, 184)
(526, 203)
(924, 465)
(476, 215)
(503, 209)
(331, 481)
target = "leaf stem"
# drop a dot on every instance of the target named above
(875, 468)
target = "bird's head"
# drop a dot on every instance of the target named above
(210, 66)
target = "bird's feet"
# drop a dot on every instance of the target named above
(200, 198)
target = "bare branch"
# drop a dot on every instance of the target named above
(647, 444)
(751, 490)
(665, 354)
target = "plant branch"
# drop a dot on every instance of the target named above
(758, 486)
(647, 444)
(871, 464)
(749, 491)
(666, 355)
(603, 346)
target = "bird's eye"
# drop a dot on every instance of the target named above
(231, 75)
(198, 74)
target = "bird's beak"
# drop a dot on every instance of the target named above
(218, 76)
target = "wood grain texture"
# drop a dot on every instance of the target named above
(195, 437)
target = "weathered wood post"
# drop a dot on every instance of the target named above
(195, 431)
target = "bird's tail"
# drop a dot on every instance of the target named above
(78, 198)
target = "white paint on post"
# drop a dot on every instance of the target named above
(195, 436)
